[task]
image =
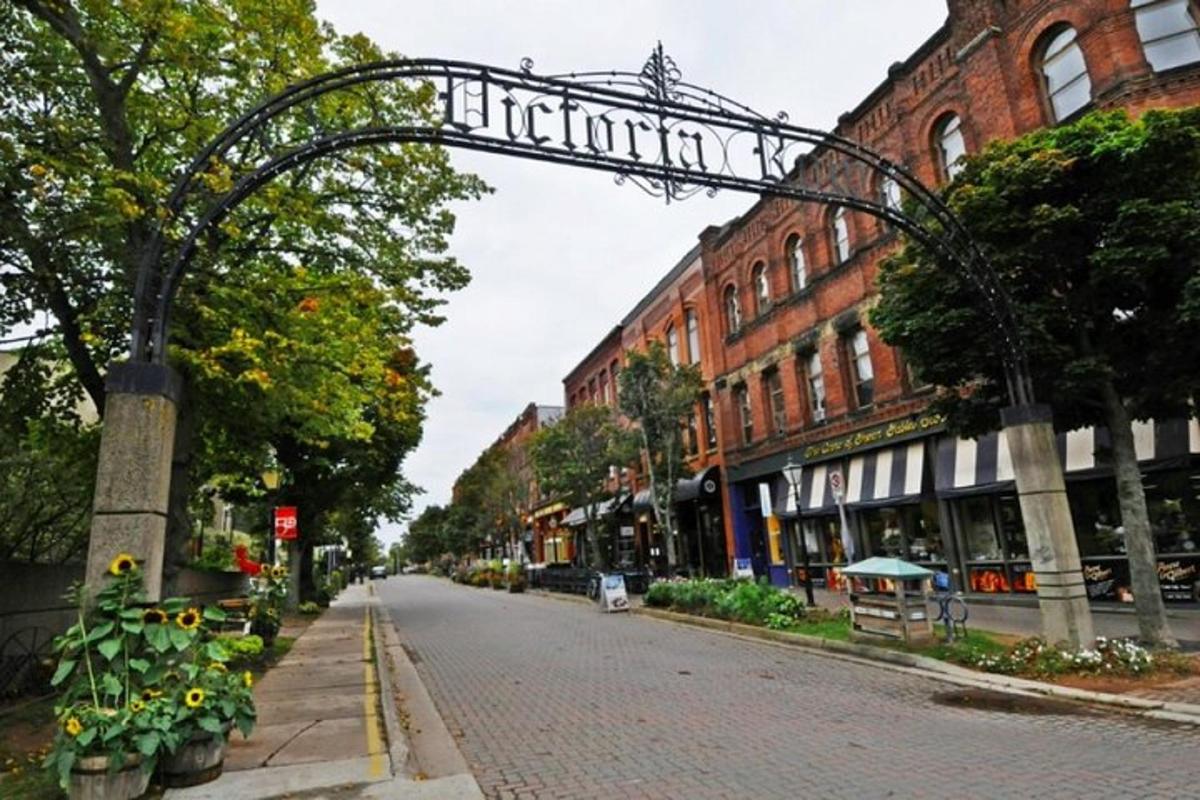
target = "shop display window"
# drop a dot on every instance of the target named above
(1173, 500)
(925, 536)
(1097, 518)
(978, 526)
(910, 532)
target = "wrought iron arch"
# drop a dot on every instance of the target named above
(651, 128)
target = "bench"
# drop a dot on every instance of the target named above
(236, 611)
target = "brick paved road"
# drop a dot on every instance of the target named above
(552, 699)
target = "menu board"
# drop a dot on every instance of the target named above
(1180, 578)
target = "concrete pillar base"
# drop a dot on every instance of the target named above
(1062, 596)
(133, 481)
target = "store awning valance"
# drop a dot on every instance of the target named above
(643, 501)
(886, 476)
(816, 496)
(578, 516)
(970, 466)
(704, 485)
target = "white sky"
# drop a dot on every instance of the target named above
(559, 255)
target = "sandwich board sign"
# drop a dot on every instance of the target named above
(612, 593)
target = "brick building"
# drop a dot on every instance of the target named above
(801, 374)
(793, 370)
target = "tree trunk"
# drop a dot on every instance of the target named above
(1135, 518)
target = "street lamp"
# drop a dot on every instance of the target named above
(270, 479)
(791, 473)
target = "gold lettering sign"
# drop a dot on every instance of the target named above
(872, 436)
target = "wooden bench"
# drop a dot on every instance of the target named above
(236, 610)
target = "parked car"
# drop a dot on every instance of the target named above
(378, 572)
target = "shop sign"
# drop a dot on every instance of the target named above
(286, 528)
(626, 531)
(764, 499)
(742, 568)
(1108, 581)
(886, 433)
(554, 508)
(612, 593)
(1180, 578)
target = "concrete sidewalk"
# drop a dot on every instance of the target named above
(322, 728)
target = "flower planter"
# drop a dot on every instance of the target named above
(516, 587)
(199, 760)
(266, 632)
(497, 585)
(91, 779)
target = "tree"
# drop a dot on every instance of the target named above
(573, 459)
(103, 104)
(428, 536)
(1094, 231)
(657, 396)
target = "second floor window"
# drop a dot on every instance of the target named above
(693, 336)
(710, 422)
(733, 310)
(693, 435)
(798, 268)
(815, 378)
(841, 236)
(1170, 32)
(762, 289)
(673, 345)
(745, 414)
(951, 146)
(614, 370)
(1068, 87)
(604, 387)
(861, 372)
(773, 388)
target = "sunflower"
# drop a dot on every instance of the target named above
(122, 564)
(188, 620)
(150, 694)
(154, 616)
(137, 706)
(248, 679)
(218, 666)
(194, 698)
(279, 572)
(73, 727)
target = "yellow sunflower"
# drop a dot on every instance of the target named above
(188, 620)
(248, 679)
(137, 706)
(73, 727)
(194, 698)
(218, 666)
(150, 694)
(122, 564)
(279, 572)
(154, 616)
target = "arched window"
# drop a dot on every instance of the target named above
(1169, 30)
(733, 310)
(1064, 72)
(951, 146)
(840, 232)
(762, 288)
(796, 265)
(693, 336)
(673, 345)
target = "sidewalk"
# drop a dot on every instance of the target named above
(321, 724)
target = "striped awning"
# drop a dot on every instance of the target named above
(887, 476)
(969, 466)
(815, 494)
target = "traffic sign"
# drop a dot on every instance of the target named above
(285, 523)
(835, 482)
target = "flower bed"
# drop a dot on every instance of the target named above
(737, 601)
(1035, 658)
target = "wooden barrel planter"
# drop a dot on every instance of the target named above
(199, 760)
(91, 779)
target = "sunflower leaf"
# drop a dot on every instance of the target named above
(109, 648)
(214, 614)
(180, 638)
(139, 665)
(64, 669)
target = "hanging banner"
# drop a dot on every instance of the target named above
(286, 528)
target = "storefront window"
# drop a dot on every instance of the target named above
(1012, 528)
(827, 532)
(1097, 518)
(1173, 500)
(925, 535)
(881, 529)
(979, 529)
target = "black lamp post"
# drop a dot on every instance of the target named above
(791, 473)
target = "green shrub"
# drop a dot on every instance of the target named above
(1034, 657)
(740, 601)
(310, 608)
(240, 647)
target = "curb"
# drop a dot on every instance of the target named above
(1181, 713)
(397, 745)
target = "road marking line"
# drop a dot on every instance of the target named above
(370, 701)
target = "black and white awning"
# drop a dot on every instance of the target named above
(971, 466)
(816, 496)
(887, 476)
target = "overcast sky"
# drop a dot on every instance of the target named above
(559, 255)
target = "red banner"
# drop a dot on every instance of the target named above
(285, 523)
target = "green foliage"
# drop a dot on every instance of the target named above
(140, 678)
(739, 601)
(572, 459)
(1094, 231)
(658, 397)
(1035, 658)
(217, 556)
(268, 593)
(310, 609)
(240, 647)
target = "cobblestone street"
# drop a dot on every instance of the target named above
(553, 699)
